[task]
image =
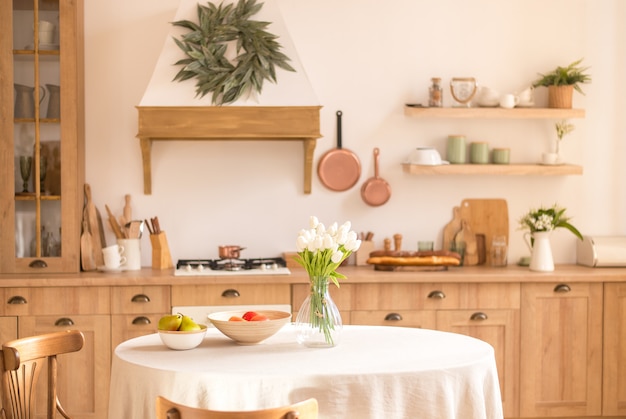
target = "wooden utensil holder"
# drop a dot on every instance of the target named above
(161, 258)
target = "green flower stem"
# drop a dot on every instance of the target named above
(320, 315)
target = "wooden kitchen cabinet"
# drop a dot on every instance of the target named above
(614, 382)
(136, 310)
(41, 119)
(84, 385)
(561, 350)
(489, 312)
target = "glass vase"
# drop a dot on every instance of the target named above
(318, 323)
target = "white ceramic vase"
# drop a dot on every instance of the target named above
(540, 251)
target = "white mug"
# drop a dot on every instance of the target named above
(112, 256)
(132, 252)
(509, 101)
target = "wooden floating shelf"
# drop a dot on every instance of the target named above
(494, 169)
(495, 113)
(249, 123)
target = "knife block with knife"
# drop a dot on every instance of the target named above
(161, 257)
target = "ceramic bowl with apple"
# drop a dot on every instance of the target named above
(180, 332)
(249, 327)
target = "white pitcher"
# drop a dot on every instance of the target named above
(540, 251)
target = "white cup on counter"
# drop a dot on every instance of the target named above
(112, 256)
(132, 252)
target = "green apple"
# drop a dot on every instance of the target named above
(187, 324)
(170, 322)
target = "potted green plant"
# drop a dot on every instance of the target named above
(561, 83)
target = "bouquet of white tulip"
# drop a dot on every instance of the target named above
(320, 251)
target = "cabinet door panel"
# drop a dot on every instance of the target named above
(499, 328)
(614, 389)
(83, 384)
(561, 350)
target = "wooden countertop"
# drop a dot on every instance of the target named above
(355, 275)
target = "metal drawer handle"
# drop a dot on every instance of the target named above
(17, 299)
(38, 264)
(478, 316)
(140, 298)
(141, 320)
(230, 293)
(64, 321)
(437, 295)
(562, 288)
(393, 317)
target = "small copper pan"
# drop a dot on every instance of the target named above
(376, 191)
(339, 169)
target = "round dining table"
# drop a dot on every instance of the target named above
(375, 372)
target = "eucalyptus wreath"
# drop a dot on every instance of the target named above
(205, 47)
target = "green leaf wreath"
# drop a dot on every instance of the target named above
(258, 52)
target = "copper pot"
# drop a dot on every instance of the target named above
(230, 252)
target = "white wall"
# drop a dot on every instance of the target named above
(367, 58)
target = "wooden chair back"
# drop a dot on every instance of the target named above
(20, 365)
(166, 409)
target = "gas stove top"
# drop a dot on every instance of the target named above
(215, 267)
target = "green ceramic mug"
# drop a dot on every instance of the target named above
(479, 153)
(456, 149)
(501, 155)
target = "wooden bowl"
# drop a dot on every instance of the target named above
(249, 332)
(182, 340)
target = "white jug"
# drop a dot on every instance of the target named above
(540, 251)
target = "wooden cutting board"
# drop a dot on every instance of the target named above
(451, 229)
(94, 220)
(489, 217)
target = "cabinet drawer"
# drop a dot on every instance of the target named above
(231, 294)
(405, 296)
(55, 300)
(342, 296)
(147, 299)
(425, 319)
(434, 296)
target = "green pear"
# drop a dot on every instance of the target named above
(187, 324)
(170, 322)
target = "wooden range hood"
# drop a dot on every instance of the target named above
(253, 123)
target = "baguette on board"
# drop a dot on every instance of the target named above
(423, 258)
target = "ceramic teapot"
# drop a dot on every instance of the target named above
(25, 100)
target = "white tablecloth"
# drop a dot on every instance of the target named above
(375, 372)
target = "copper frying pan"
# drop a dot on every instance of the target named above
(339, 169)
(376, 191)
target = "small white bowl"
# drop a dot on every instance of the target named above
(249, 332)
(182, 340)
(426, 156)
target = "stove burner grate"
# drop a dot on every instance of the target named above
(231, 264)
